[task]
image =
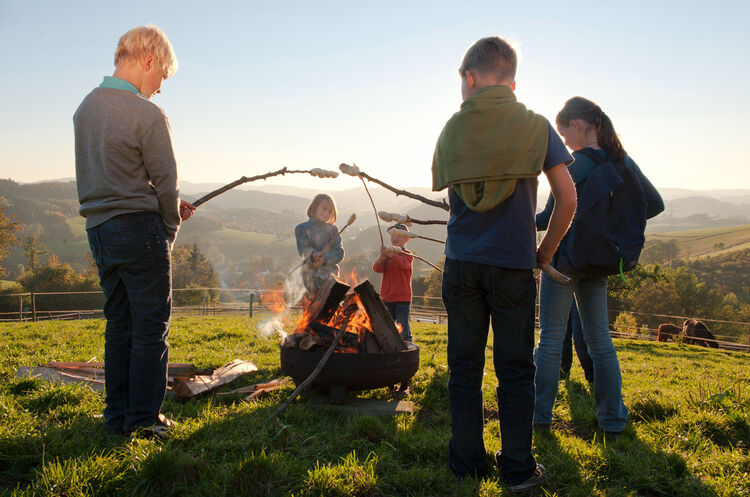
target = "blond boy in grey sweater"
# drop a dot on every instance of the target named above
(127, 187)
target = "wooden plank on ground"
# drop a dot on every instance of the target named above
(177, 370)
(53, 375)
(199, 384)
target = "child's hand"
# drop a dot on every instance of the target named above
(385, 253)
(186, 210)
(317, 259)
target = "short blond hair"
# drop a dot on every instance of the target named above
(323, 197)
(491, 55)
(147, 40)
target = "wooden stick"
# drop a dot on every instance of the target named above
(354, 171)
(322, 173)
(325, 248)
(410, 234)
(552, 272)
(405, 219)
(380, 230)
(302, 386)
(399, 250)
(555, 274)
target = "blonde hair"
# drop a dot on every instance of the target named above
(320, 197)
(147, 40)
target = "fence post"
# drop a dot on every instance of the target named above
(33, 307)
(20, 308)
(250, 307)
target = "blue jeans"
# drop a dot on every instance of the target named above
(475, 295)
(400, 313)
(555, 301)
(573, 334)
(133, 257)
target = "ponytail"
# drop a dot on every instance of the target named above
(588, 111)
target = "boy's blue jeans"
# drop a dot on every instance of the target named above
(399, 311)
(132, 254)
(475, 295)
(555, 301)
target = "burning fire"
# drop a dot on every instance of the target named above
(274, 300)
(352, 278)
(358, 326)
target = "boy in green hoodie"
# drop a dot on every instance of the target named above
(489, 156)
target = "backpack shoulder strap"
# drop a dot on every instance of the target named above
(591, 154)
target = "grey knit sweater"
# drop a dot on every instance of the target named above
(124, 158)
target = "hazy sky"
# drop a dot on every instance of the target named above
(311, 84)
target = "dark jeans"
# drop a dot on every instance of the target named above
(400, 313)
(573, 334)
(475, 295)
(132, 254)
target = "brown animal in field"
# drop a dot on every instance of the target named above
(668, 332)
(693, 331)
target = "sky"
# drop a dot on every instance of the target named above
(308, 84)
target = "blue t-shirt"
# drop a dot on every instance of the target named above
(505, 235)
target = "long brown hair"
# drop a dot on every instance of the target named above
(588, 111)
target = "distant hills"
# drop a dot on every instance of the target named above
(260, 219)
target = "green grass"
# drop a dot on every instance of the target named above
(687, 435)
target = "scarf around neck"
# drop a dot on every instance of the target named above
(488, 145)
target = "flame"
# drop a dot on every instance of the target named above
(274, 300)
(352, 278)
(304, 321)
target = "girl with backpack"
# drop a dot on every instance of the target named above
(589, 133)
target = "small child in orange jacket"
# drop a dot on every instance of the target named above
(395, 289)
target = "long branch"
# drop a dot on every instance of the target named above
(441, 205)
(245, 179)
(380, 231)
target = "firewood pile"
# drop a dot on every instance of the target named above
(369, 327)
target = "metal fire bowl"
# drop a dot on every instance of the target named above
(349, 370)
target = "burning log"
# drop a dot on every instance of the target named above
(369, 345)
(309, 341)
(383, 326)
(301, 388)
(325, 301)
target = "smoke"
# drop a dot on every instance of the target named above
(294, 290)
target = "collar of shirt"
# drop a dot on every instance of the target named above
(118, 84)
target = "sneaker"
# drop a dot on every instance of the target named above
(536, 479)
(612, 435)
(158, 430)
(542, 427)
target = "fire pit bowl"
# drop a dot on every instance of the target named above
(351, 371)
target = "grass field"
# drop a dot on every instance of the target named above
(688, 432)
(714, 241)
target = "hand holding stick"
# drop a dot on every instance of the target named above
(392, 217)
(325, 248)
(555, 274)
